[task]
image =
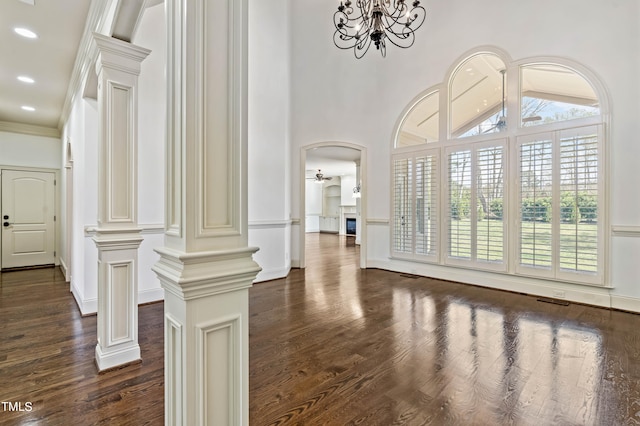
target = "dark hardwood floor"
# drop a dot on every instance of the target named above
(337, 345)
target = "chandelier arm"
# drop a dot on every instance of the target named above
(404, 40)
(346, 42)
(418, 15)
(395, 16)
(360, 50)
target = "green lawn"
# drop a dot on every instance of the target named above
(578, 243)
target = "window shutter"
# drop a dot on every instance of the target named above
(426, 205)
(459, 204)
(402, 217)
(490, 230)
(536, 191)
(579, 203)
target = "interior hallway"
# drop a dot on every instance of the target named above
(337, 345)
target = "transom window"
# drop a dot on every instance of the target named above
(518, 193)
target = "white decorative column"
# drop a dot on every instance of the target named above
(206, 266)
(117, 235)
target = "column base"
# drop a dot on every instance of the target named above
(116, 358)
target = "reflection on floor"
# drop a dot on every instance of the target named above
(336, 345)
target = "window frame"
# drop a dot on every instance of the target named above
(511, 137)
(473, 261)
(413, 254)
(556, 272)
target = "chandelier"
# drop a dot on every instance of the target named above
(376, 21)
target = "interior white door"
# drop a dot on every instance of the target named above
(28, 218)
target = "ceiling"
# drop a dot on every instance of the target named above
(332, 160)
(48, 59)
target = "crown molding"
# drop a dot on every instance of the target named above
(29, 129)
(100, 20)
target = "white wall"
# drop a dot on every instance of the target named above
(151, 149)
(313, 201)
(22, 150)
(81, 131)
(269, 153)
(347, 183)
(336, 97)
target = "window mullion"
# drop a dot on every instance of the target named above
(555, 203)
(473, 206)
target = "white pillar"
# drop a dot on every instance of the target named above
(206, 266)
(117, 235)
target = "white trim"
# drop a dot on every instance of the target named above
(377, 221)
(65, 270)
(625, 231)
(150, 295)
(144, 229)
(101, 14)
(29, 129)
(272, 274)
(269, 224)
(90, 306)
(625, 303)
(590, 295)
(86, 306)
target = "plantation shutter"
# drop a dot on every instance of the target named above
(415, 206)
(476, 229)
(402, 217)
(560, 199)
(536, 191)
(426, 206)
(490, 227)
(579, 178)
(459, 204)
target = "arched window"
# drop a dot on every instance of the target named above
(422, 123)
(519, 193)
(477, 96)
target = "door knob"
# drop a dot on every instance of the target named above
(6, 216)
(6, 224)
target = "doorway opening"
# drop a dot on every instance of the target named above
(332, 195)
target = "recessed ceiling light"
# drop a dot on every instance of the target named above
(28, 108)
(25, 32)
(25, 79)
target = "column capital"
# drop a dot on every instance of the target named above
(195, 275)
(118, 54)
(118, 239)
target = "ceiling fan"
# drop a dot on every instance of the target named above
(319, 177)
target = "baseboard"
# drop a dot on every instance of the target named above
(150, 295)
(86, 307)
(65, 270)
(116, 358)
(625, 303)
(89, 307)
(272, 274)
(566, 291)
